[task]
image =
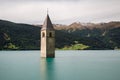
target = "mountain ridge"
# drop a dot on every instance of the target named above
(101, 36)
(78, 25)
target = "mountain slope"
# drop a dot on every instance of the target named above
(27, 37)
(22, 35)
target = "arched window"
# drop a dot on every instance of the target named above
(43, 34)
(50, 34)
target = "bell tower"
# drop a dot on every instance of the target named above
(47, 39)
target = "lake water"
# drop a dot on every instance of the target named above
(67, 65)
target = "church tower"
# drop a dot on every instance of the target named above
(47, 39)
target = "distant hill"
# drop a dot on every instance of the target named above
(81, 26)
(97, 36)
(23, 36)
(101, 36)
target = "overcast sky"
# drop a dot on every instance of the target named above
(60, 11)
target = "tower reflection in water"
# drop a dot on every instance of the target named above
(47, 69)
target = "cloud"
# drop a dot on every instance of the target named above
(39, 0)
(62, 11)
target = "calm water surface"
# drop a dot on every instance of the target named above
(68, 65)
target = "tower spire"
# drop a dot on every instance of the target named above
(47, 23)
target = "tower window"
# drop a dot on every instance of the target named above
(43, 34)
(50, 34)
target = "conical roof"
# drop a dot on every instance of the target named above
(47, 24)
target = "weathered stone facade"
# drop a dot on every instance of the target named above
(47, 39)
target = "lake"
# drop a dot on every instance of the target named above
(67, 65)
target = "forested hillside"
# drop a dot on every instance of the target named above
(18, 36)
(102, 36)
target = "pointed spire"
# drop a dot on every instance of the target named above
(47, 24)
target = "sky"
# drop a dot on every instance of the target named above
(60, 11)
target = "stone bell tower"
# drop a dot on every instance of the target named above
(47, 39)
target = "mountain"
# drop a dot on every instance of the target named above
(92, 36)
(81, 26)
(96, 36)
(23, 36)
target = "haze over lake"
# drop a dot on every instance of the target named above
(67, 65)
